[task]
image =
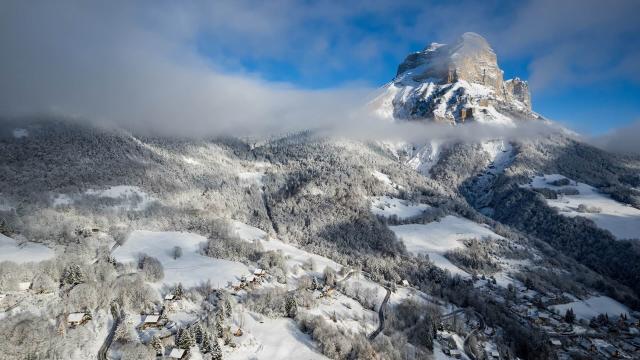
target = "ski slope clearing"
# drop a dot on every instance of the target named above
(267, 339)
(10, 250)
(389, 206)
(438, 237)
(621, 220)
(591, 307)
(190, 269)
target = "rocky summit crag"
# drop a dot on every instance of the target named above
(455, 83)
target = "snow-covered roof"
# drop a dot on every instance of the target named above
(169, 297)
(75, 317)
(556, 342)
(176, 353)
(258, 272)
(24, 285)
(151, 319)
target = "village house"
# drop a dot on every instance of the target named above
(259, 272)
(556, 342)
(151, 320)
(78, 318)
(169, 297)
(178, 354)
(24, 286)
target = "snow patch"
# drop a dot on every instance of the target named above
(389, 206)
(10, 250)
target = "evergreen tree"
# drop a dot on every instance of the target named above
(185, 339)
(156, 345)
(4, 227)
(315, 285)
(198, 333)
(72, 275)
(569, 316)
(227, 306)
(210, 345)
(179, 291)
(291, 306)
(219, 328)
(123, 330)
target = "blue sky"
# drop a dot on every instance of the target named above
(242, 64)
(582, 57)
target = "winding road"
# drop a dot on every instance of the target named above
(102, 353)
(381, 315)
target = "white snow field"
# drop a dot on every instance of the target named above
(190, 269)
(623, 221)
(267, 339)
(388, 206)
(10, 250)
(593, 306)
(438, 237)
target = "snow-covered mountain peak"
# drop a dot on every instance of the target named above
(455, 83)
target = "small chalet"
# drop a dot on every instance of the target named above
(152, 320)
(405, 282)
(556, 342)
(24, 286)
(178, 354)
(259, 272)
(78, 318)
(495, 355)
(169, 297)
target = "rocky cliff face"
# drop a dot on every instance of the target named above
(455, 83)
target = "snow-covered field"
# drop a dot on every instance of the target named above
(23, 253)
(438, 237)
(591, 307)
(268, 339)
(388, 206)
(190, 269)
(621, 220)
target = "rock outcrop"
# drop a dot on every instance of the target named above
(455, 83)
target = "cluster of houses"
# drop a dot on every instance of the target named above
(256, 278)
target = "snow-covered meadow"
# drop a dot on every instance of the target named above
(11, 250)
(191, 268)
(389, 206)
(438, 237)
(623, 221)
(592, 307)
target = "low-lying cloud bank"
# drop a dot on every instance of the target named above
(123, 65)
(625, 140)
